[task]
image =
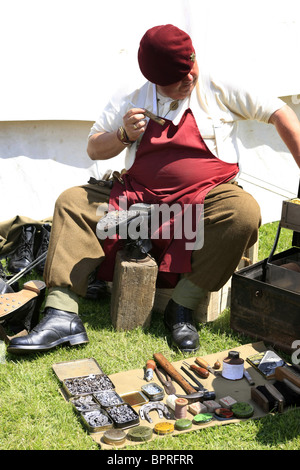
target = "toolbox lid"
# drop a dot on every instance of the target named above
(77, 368)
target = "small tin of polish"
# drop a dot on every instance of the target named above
(114, 437)
(153, 391)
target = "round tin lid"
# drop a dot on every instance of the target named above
(202, 418)
(182, 424)
(223, 413)
(114, 437)
(242, 410)
(164, 428)
(140, 433)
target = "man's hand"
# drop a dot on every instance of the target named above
(105, 145)
(134, 123)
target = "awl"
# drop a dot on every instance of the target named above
(202, 363)
(200, 386)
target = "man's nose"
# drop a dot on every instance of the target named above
(188, 78)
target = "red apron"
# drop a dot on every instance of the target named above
(173, 165)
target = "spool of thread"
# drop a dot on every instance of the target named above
(181, 405)
(233, 366)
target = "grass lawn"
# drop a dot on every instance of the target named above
(34, 416)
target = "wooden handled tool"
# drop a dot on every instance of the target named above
(203, 373)
(150, 366)
(282, 373)
(205, 365)
(167, 366)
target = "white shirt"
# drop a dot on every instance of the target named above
(216, 105)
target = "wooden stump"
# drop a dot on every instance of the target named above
(133, 292)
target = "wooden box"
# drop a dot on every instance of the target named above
(264, 311)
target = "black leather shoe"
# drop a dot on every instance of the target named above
(179, 320)
(23, 255)
(56, 328)
(44, 244)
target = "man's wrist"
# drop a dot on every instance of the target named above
(123, 137)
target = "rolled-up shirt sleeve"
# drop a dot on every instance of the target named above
(246, 103)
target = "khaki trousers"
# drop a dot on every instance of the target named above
(231, 223)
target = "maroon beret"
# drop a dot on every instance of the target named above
(166, 55)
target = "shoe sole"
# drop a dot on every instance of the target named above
(12, 302)
(73, 340)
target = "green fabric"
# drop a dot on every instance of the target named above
(10, 231)
(188, 294)
(62, 298)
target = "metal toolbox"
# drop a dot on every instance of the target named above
(96, 420)
(82, 377)
(123, 416)
(87, 384)
(264, 311)
(278, 272)
(93, 396)
(265, 297)
(108, 398)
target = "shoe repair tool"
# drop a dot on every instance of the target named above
(150, 115)
(292, 386)
(160, 407)
(248, 377)
(278, 397)
(200, 386)
(196, 396)
(167, 366)
(282, 373)
(203, 373)
(202, 363)
(217, 365)
(167, 383)
(150, 366)
(117, 222)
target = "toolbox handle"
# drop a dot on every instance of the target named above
(268, 260)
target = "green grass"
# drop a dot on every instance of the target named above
(34, 416)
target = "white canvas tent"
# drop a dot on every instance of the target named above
(60, 61)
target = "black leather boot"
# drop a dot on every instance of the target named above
(43, 247)
(179, 320)
(23, 255)
(56, 328)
